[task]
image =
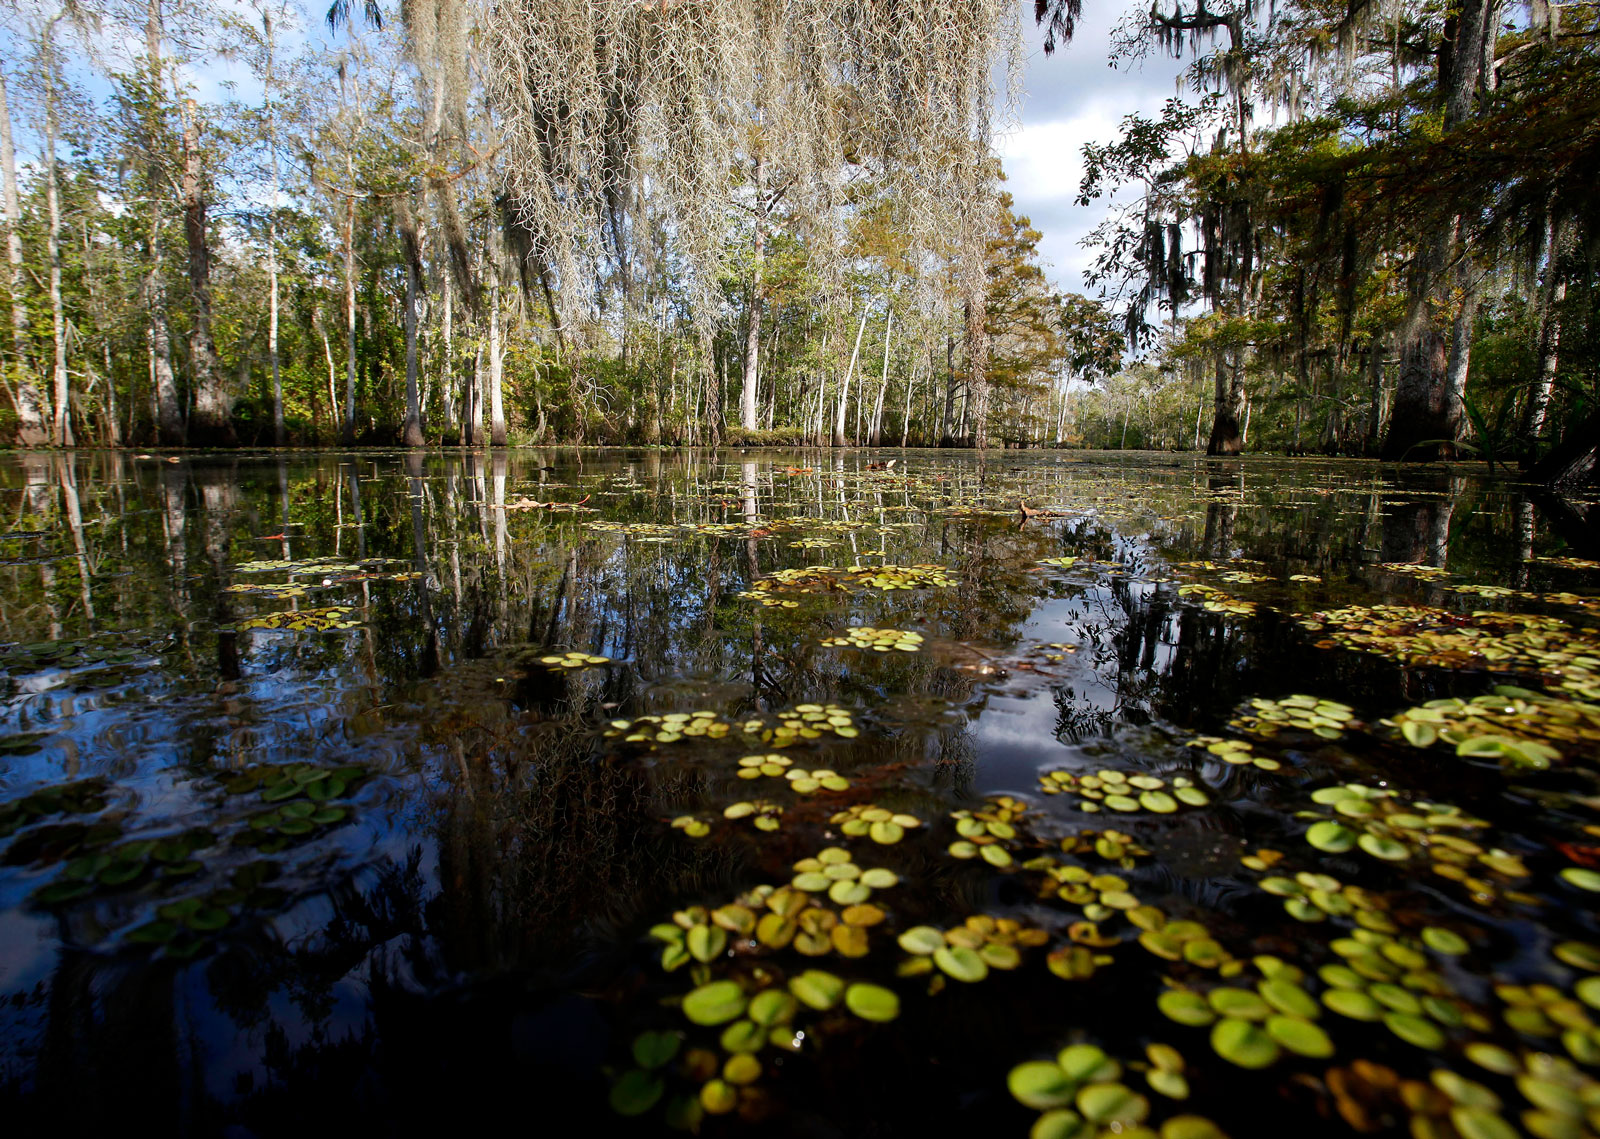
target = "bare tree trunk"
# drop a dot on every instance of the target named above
(977, 335)
(30, 401)
(752, 333)
(212, 421)
(349, 295)
(61, 430)
(163, 382)
(1375, 406)
(333, 373)
(497, 412)
(272, 242)
(1552, 296)
(844, 389)
(911, 385)
(411, 248)
(875, 434)
(447, 379)
(948, 414)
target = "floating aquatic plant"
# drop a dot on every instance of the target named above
(880, 824)
(1214, 600)
(573, 660)
(868, 639)
(1120, 791)
(1239, 753)
(1516, 726)
(306, 620)
(1328, 719)
(804, 722)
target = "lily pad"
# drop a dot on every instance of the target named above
(715, 1003)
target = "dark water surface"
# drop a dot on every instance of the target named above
(306, 822)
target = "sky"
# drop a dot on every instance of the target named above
(1070, 98)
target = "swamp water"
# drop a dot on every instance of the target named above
(784, 791)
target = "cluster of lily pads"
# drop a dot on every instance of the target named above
(987, 833)
(1383, 824)
(881, 825)
(968, 951)
(885, 578)
(1239, 753)
(1328, 719)
(77, 797)
(1214, 600)
(1081, 1095)
(27, 657)
(868, 639)
(323, 620)
(802, 723)
(1515, 725)
(573, 660)
(1488, 641)
(1120, 791)
(104, 867)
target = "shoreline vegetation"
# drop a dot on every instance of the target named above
(1356, 231)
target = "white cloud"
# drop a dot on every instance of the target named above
(1071, 98)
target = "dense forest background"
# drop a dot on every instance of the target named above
(1362, 227)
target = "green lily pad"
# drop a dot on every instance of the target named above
(653, 1050)
(1112, 1103)
(1385, 848)
(1239, 1004)
(1353, 1003)
(872, 1002)
(1415, 1030)
(1289, 999)
(921, 940)
(817, 989)
(1444, 941)
(716, 1003)
(1583, 878)
(1185, 1007)
(1481, 1123)
(1300, 1036)
(961, 963)
(771, 1007)
(636, 1092)
(1331, 837)
(1243, 1043)
(1040, 1084)
(1061, 1123)
(1087, 1062)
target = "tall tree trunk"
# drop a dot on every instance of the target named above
(844, 389)
(497, 411)
(61, 429)
(752, 332)
(212, 421)
(1427, 419)
(948, 414)
(1227, 434)
(1375, 405)
(163, 381)
(411, 248)
(349, 236)
(875, 433)
(1552, 295)
(272, 242)
(977, 335)
(30, 401)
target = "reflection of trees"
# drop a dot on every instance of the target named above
(507, 847)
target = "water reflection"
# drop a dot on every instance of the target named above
(442, 902)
